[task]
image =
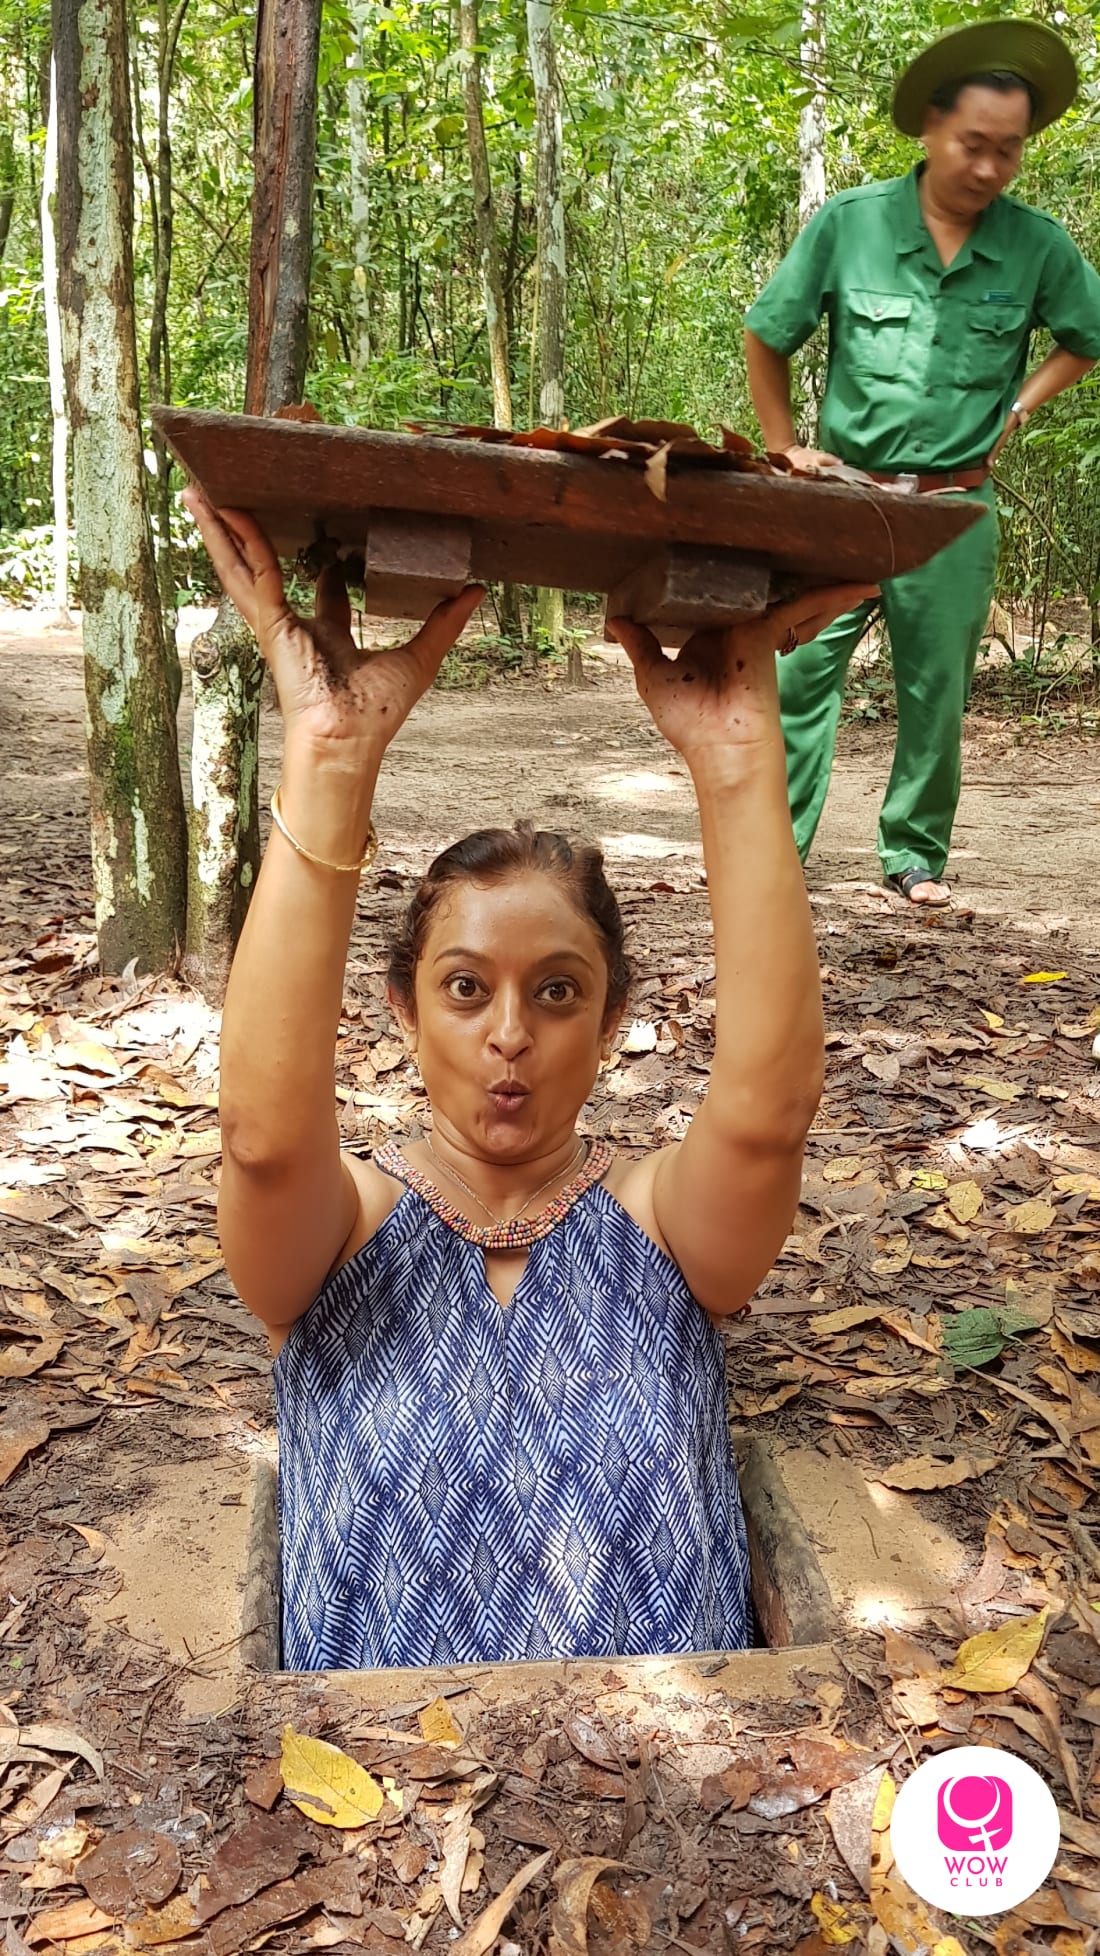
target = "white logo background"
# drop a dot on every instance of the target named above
(978, 1882)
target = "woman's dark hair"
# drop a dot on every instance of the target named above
(999, 80)
(491, 855)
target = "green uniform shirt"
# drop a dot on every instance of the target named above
(925, 362)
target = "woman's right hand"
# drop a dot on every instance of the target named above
(330, 691)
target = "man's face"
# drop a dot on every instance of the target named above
(975, 149)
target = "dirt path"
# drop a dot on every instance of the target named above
(1027, 836)
(924, 1356)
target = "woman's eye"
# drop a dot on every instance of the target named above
(559, 990)
(462, 986)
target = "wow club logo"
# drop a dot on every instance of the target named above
(974, 1817)
(975, 1830)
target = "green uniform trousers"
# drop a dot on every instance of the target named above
(935, 617)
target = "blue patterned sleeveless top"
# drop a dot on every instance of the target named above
(465, 1483)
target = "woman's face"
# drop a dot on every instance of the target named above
(510, 1020)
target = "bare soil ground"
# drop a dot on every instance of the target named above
(937, 1302)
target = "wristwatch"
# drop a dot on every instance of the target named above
(1023, 414)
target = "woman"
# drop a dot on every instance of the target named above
(499, 1383)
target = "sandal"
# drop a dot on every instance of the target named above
(907, 880)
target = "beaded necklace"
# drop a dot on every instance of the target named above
(500, 1221)
(521, 1231)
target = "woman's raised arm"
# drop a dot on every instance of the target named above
(725, 1196)
(287, 1203)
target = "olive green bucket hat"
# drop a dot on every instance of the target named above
(1026, 48)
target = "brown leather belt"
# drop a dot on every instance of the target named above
(928, 484)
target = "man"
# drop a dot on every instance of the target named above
(932, 284)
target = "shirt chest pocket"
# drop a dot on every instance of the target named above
(877, 323)
(991, 344)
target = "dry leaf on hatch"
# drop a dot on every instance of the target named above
(964, 1199)
(1029, 1218)
(574, 1881)
(325, 1784)
(923, 1471)
(996, 1659)
(437, 1725)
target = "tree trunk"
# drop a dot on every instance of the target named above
(285, 122)
(169, 26)
(137, 819)
(360, 163)
(488, 246)
(811, 122)
(58, 418)
(550, 274)
(226, 670)
(811, 165)
(7, 186)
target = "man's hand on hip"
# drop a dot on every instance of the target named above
(809, 460)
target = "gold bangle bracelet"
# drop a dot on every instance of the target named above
(342, 869)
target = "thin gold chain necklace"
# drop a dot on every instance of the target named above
(499, 1221)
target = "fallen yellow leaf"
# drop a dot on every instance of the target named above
(437, 1725)
(929, 1178)
(993, 1019)
(1044, 977)
(172, 1923)
(843, 1168)
(1079, 1185)
(996, 1089)
(845, 1319)
(325, 1784)
(964, 1199)
(835, 1921)
(995, 1660)
(1030, 1218)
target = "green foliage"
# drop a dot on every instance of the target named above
(681, 187)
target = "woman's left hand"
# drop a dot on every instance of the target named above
(721, 689)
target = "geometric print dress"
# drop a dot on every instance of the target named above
(465, 1483)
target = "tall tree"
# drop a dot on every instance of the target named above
(488, 245)
(158, 173)
(7, 185)
(811, 165)
(138, 834)
(59, 420)
(811, 121)
(226, 670)
(550, 271)
(359, 164)
(492, 284)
